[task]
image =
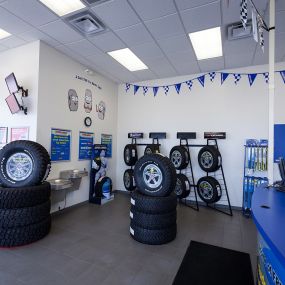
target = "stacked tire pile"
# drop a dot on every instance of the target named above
(153, 204)
(24, 196)
(179, 156)
(209, 188)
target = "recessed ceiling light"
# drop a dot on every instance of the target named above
(128, 59)
(63, 7)
(4, 34)
(207, 43)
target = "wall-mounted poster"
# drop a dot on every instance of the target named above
(88, 101)
(101, 110)
(107, 140)
(3, 136)
(60, 145)
(85, 145)
(18, 134)
(72, 100)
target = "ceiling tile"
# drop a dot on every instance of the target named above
(175, 44)
(201, 18)
(31, 11)
(145, 75)
(134, 35)
(147, 51)
(149, 9)
(213, 64)
(238, 60)
(12, 24)
(280, 5)
(34, 35)
(280, 22)
(240, 46)
(12, 42)
(84, 48)
(116, 14)
(107, 41)
(61, 32)
(186, 4)
(2, 48)
(167, 26)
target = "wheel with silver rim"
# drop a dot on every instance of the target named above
(179, 157)
(129, 180)
(130, 154)
(155, 175)
(209, 158)
(209, 189)
(23, 163)
(182, 188)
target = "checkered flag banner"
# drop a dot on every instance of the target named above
(212, 76)
(189, 84)
(145, 89)
(166, 89)
(260, 31)
(237, 77)
(243, 13)
(128, 86)
(266, 77)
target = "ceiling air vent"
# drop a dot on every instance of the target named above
(86, 23)
(94, 2)
(236, 31)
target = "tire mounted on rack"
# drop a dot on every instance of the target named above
(155, 175)
(209, 158)
(23, 163)
(11, 198)
(152, 221)
(129, 180)
(179, 156)
(130, 154)
(153, 205)
(209, 189)
(182, 188)
(151, 148)
(154, 237)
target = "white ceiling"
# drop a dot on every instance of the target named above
(155, 30)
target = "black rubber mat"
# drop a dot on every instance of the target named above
(205, 264)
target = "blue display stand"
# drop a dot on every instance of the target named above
(268, 209)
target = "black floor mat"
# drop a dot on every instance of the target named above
(205, 264)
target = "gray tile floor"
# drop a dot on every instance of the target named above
(91, 245)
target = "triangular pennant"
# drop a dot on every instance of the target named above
(266, 77)
(136, 88)
(224, 76)
(251, 78)
(177, 87)
(155, 89)
(166, 89)
(201, 79)
(145, 89)
(128, 86)
(282, 73)
(189, 84)
(237, 77)
(212, 76)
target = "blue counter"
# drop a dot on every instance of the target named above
(268, 209)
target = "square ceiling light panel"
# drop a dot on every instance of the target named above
(63, 7)
(4, 34)
(128, 59)
(207, 43)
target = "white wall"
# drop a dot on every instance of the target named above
(56, 77)
(24, 62)
(241, 111)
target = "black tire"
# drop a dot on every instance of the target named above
(11, 198)
(209, 189)
(151, 148)
(153, 221)
(155, 175)
(153, 237)
(25, 235)
(33, 156)
(209, 158)
(182, 188)
(130, 154)
(99, 186)
(153, 205)
(129, 180)
(11, 218)
(179, 156)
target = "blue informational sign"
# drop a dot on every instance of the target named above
(279, 141)
(85, 145)
(107, 140)
(60, 145)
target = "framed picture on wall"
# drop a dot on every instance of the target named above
(3, 136)
(18, 134)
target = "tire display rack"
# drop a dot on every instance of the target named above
(184, 138)
(212, 140)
